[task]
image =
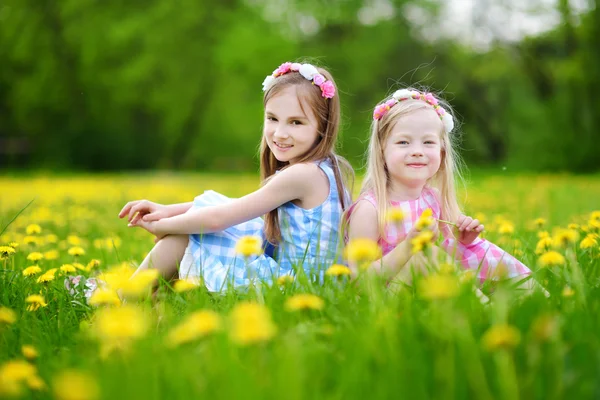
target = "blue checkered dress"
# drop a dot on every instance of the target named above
(310, 240)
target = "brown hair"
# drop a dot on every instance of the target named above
(328, 114)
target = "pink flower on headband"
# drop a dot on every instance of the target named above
(283, 69)
(430, 98)
(440, 111)
(380, 111)
(318, 79)
(327, 90)
(295, 67)
(391, 103)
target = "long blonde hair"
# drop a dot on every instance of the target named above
(328, 115)
(377, 179)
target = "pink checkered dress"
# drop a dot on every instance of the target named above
(481, 255)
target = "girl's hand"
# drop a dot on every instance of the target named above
(468, 229)
(151, 226)
(148, 210)
(414, 232)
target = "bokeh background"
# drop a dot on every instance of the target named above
(162, 84)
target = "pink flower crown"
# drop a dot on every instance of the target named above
(306, 70)
(405, 94)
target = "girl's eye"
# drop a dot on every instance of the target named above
(430, 142)
(271, 119)
(296, 122)
(403, 142)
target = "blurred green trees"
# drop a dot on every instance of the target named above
(177, 84)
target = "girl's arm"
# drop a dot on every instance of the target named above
(151, 211)
(292, 183)
(364, 224)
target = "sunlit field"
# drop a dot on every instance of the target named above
(295, 338)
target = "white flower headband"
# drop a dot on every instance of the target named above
(306, 70)
(405, 94)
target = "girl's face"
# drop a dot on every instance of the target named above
(412, 152)
(290, 133)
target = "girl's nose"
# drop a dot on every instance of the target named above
(280, 132)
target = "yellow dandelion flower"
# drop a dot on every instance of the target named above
(568, 292)
(251, 323)
(425, 220)
(68, 268)
(29, 352)
(551, 258)
(285, 279)
(304, 302)
(543, 245)
(438, 287)
(573, 226)
(506, 228)
(395, 215)
(31, 240)
(51, 255)
(92, 264)
(595, 215)
(33, 270)
(104, 296)
(74, 240)
(249, 245)
(35, 256)
(123, 323)
(589, 241)
(140, 284)
(338, 270)
(539, 222)
(79, 266)
(48, 276)
(75, 385)
(421, 241)
(76, 251)
(13, 374)
(564, 237)
(35, 301)
(543, 234)
(185, 285)
(14, 245)
(197, 325)
(501, 336)
(7, 316)
(362, 251)
(6, 251)
(33, 229)
(51, 238)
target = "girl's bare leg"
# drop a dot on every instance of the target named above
(165, 256)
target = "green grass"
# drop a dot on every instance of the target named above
(366, 341)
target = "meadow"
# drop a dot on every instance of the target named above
(295, 338)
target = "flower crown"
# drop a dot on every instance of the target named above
(405, 94)
(306, 70)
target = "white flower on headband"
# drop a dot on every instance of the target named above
(308, 71)
(404, 94)
(448, 122)
(268, 82)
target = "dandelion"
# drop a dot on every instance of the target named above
(35, 301)
(506, 228)
(421, 241)
(14, 245)
(543, 245)
(33, 229)
(6, 251)
(7, 316)
(120, 324)
(75, 385)
(15, 373)
(285, 279)
(249, 245)
(138, 285)
(395, 215)
(362, 251)
(197, 325)
(425, 220)
(589, 241)
(92, 264)
(76, 251)
(51, 238)
(73, 240)
(33, 270)
(185, 285)
(46, 277)
(501, 336)
(573, 226)
(104, 297)
(551, 258)
(338, 270)
(51, 255)
(438, 287)
(29, 352)
(251, 323)
(568, 292)
(68, 268)
(564, 237)
(539, 222)
(35, 256)
(304, 302)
